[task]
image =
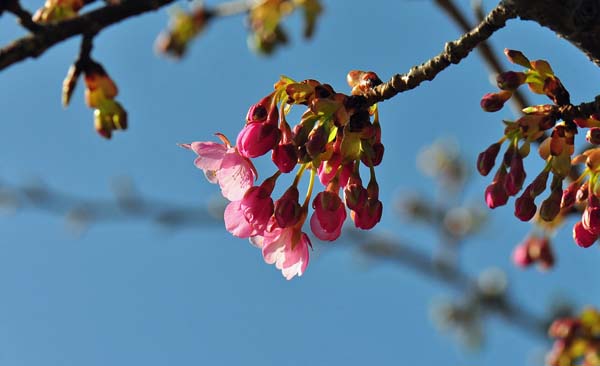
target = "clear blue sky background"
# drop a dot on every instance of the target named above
(131, 293)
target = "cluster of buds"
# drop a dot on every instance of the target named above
(577, 340)
(100, 94)
(183, 28)
(332, 139)
(557, 151)
(264, 19)
(534, 249)
(585, 192)
(57, 10)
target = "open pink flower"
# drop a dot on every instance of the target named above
(286, 248)
(223, 165)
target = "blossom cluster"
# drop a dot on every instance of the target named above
(100, 95)
(576, 340)
(541, 122)
(332, 139)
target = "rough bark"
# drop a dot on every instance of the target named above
(577, 21)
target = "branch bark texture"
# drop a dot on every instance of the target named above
(578, 21)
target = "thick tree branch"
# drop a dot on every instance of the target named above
(578, 21)
(92, 22)
(453, 53)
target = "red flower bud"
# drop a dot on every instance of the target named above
(583, 237)
(487, 159)
(516, 177)
(550, 208)
(355, 194)
(569, 195)
(495, 195)
(510, 80)
(493, 102)
(591, 220)
(287, 209)
(593, 136)
(525, 207)
(285, 157)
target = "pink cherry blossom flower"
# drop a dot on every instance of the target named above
(286, 248)
(223, 165)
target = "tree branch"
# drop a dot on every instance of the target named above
(453, 53)
(578, 21)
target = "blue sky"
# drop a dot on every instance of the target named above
(132, 293)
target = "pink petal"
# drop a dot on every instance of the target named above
(235, 222)
(235, 176)
(210, 154)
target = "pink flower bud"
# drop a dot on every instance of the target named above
(582, 236)
(495, 195)
(493, 102)
(487, 159)
(259, 111)
(521, 257)
(256, 139)
(257, 206)
(285, 157)
(329, 216)
(328, 169)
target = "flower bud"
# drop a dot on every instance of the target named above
(593, 136)
(369, 215)
(317, 139)
(487, 159)
(517, 57)
(521, 256)
(355, 194)
(510, 80)
(569, 195)
(495, 195)
(372, 154)
(516, 176)
(583, 237)
(287, 209)
(525, 207)
(285, 157)
(256, 139)
(550, 208)
(590, 219)
(493, 102)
